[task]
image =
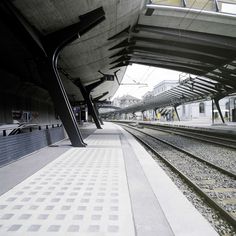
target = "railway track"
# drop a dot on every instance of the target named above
(219, 139)
(214, 183)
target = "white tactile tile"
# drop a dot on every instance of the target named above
(83, 192)
(104, 140)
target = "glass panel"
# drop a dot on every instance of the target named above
(168, 2)
(207, 5)
(227, 6)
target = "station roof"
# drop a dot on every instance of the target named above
(188, 90)
(89, 54)
(196, 37)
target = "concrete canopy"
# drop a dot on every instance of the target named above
(187, 37)
(197, 39)
(84, 57)
(183, 39)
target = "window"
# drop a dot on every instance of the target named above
(183, 111)
(201, 107)
(227, 106)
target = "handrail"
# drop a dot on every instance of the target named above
(215, 10)
(6, 130)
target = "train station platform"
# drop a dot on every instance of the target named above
(227, 127)
(111, 187)
(203, 124)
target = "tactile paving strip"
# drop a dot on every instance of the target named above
(83, 192)
(104, 140)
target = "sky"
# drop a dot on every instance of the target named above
(146, 75)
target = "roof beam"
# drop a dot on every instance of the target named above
(221, 79)
(93, 85)
(123, 44)
(177, 45)
(177, 68)
(182, 54)
(169, 65)
(177, 60)
(96, 99)
(201, 38)
(122, 33)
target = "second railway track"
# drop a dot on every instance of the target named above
(214, 183)
(224, 140)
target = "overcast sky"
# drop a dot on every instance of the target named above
(146, 75)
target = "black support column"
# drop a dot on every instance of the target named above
(53, 44)
(95, 100)
(62, 105)
(98, 115)
(216, 100)
(88, 100)
(47, 50)
(176, 112)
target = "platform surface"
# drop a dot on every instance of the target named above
(198, 123)
(111, 187)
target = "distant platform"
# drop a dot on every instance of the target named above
(202, 123)
(205, 124)
(111, 187)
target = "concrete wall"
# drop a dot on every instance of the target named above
(192, 110)
(39, 111)
(15, 146)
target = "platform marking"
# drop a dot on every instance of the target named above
(83, 192)
(104, 140)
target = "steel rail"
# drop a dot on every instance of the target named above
(229, 217)
(195, 135)
(224, 171)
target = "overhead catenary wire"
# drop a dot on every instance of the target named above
(187, 13)
(194, 18)
(144, 77)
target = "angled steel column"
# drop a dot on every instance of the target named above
(176, 112)
(98, 115)
(53, 44)
(95, 100)
(61, 103)
(48, 49)
(212, 112)
(155, 112)
(88, 100)
(216, 100)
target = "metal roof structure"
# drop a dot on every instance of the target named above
(78, 51)
(85, 56)
(190, 36)
(185, 39)
(195, 37)
(189, 90)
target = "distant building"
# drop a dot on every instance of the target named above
(148, 95)
(158, 89)
(164, 85)
(203, 110)
(192, 111)
(125, 101)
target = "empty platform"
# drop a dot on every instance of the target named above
(111, 187)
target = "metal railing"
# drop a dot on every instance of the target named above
(7, 129)
(221, 6)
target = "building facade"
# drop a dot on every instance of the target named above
(125, 101)
(204, 111)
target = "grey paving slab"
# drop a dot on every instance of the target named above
(82, 192)
(17, 171)
(148, 215)
(111, 187)
(182, 216)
